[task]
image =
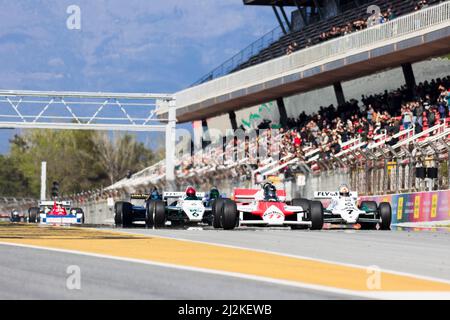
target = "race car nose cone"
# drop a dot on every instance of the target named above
(273, 216)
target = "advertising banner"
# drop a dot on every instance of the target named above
(417, 207)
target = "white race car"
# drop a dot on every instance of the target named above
(344, 209)
(169, 209)
(55, 212)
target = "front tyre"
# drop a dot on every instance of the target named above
(316, 214)
(385, 211)
(216, 207)
(306, 205)
(155, 215)
(123, 214)
(229, 215)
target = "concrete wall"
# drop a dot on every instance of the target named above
(98, 212)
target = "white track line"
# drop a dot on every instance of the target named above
(344, 264)
(362, 294)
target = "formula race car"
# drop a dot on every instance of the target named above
(343, 209)
(268, 207)
(170, 208)
(15, 216)
(55, 212)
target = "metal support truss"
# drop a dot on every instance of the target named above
(90, 111)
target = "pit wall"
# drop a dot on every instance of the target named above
(417, 207)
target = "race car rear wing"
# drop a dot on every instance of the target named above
(168, 195)
(46, 203)
(245, 195)
(330, 194)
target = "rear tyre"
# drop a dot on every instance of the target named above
(385, 211)
(217, 206)
(123, 214)
(316, 213)
(306, 205)
(155, 215)
(33, 214)
(229, 215)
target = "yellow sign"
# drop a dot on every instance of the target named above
(417, 207)
(434, 202)
(400, 208)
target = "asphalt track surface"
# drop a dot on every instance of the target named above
(425, 253)
(32, 273)
(39, 274)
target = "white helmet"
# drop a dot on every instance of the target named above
(344, 190)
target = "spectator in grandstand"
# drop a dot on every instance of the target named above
(421, 5)
(387, 112)
(391, 14)
(360, 24)
(293, 46)
(323, 37)
(407, 117)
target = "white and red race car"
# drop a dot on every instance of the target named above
(55, 212)
(268, 207)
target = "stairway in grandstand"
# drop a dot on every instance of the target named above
(313, 31)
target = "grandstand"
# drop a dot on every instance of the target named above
(378, 143)
(405, 40)
(308, 35)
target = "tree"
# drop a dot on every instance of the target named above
(79, 160)
(69, 157)
(12, 181)
(122, 154)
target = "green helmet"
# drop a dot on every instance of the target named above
(214, 193)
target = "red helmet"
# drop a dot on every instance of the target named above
(190, 192)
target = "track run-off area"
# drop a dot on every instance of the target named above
(247, 263)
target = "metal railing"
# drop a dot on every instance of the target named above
(394, 30)
(242, 56)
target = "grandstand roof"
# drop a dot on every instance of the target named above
(284, 3)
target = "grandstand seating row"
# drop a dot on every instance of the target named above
(313, 31)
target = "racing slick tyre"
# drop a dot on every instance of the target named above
(33, 215)
(316, 214)
(155, 215)
(123, 214)
(385, 212)
(229, 215)
(305, 204)
(216, 209)
(368, 206)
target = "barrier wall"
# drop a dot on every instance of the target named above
(417, 207)
(98, 212)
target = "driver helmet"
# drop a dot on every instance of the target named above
(190, 192)
(214, 193)
(344, 191)
(154, 195)
(270, 192)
